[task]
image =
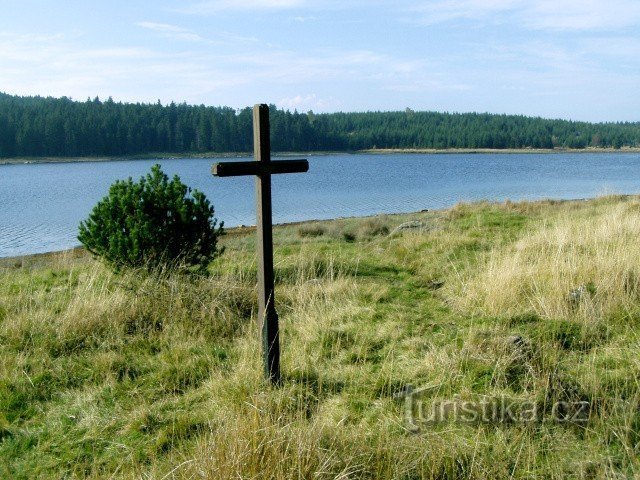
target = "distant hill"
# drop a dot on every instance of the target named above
(61, 127)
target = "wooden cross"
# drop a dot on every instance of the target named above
(263, 168)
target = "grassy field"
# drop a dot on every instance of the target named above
(132, 375)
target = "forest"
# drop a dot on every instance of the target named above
(61, 127)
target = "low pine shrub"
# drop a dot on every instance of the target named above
(153, 223)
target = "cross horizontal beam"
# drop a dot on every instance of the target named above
(236, 169)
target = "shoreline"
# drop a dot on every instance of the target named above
(374, 151)
(238, 231)
(77, 252)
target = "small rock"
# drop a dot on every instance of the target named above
(577, 294)
(516, 341)
(519, 345)
(435, 284)
(412, 225)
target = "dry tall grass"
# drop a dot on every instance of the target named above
(573, 267)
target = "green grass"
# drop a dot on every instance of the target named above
(159, 376)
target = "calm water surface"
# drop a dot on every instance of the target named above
(42, 204)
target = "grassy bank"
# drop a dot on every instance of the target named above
(114, 376)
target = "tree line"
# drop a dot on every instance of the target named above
(61, 127)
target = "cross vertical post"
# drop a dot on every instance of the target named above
(266, 290)
(263, 168)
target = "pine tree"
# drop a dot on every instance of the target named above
(153, 223)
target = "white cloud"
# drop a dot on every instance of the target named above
(304, 103)
(582, 14)
(56, 66)
(26, 48)
(573, 15)
(122, 53)
(209, 7)
(303, 19)
(618, 47)
(428, 84)
(213, 6)
(289, 67)
(172, 31)
(432, 12)
(161, 27)
(178, 33)
(59, 66)
(578, 57)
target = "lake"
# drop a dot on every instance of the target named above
(42, 204)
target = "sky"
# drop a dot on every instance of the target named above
(570, 59)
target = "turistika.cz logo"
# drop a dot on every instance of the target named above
(420, 411)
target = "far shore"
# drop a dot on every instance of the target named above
(502, 150)
(381, 151)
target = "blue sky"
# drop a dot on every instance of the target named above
(576, 59)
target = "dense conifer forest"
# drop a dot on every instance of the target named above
(61, 127)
